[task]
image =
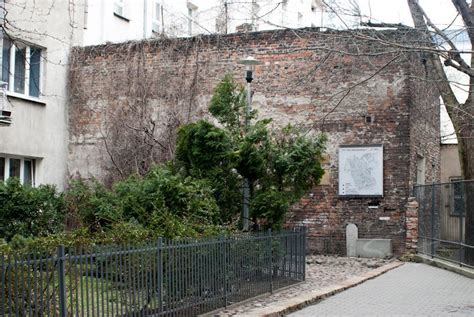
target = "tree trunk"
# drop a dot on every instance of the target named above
(466, 138)
(462, 115)
(464, 122)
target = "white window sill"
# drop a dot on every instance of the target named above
(121, 17)
(26, 98)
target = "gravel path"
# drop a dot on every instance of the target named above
(321, 271)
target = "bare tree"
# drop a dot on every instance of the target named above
(461, 113)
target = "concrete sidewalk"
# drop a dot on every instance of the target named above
(410, 290)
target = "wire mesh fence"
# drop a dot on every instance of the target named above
(166, 278)
(442, 220)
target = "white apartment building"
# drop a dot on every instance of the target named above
(38, 36)
(122, 20)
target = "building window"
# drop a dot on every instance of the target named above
(457, 196)
(2, 168)
(21, 168)
(119, 8)
(284, 12)
(156, 16)
(86, 13)
(21, 67)
(192, 12)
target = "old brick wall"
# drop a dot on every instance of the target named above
(411, 225)
(424, 122)
(352, 86)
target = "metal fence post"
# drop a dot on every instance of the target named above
(304, 253)
(270, 245)
(461, 249)
(224, 266)
(159, 268)
(432, 219)
(61, 282)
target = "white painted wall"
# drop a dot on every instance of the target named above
(104, 26)
(39, 129)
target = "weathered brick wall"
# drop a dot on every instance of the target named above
(324, 81)
(411, 225)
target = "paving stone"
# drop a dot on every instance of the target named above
(322, 273)
(410, 290)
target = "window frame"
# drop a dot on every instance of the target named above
(284, 12)
(453, 180)
(192, 14)
(120, 10)
(299, 19)
(420, 170)
(156, 20)
(6, 168)
(14, 46)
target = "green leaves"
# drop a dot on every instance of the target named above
(162, 203)
(203, 146)
(91, 205)
(143, 200)
(29, 211)
(270, 205)
(228, 103)
(280, 164)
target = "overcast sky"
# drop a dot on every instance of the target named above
(441, 12)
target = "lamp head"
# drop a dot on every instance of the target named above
(249, 63)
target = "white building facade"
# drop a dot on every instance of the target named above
(38, 35)
(122, 20)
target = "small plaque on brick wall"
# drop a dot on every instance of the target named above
(361, 170)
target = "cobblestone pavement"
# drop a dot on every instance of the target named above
(410, 290)
(321, 271)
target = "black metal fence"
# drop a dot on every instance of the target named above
(167, 278)
(441, 219)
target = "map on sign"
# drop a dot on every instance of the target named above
(361, 170)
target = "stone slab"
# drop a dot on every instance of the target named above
(374, 248)
(352, 234)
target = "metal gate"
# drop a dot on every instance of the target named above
(441, 220)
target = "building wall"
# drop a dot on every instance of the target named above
(103, 24)
(209, 16)
(353, 88)
(450, 223)
(450, 166)
(424, 124)
(38, 128)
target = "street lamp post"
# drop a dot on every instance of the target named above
(249, 63)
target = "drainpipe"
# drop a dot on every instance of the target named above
(2, 22)
(103, 23)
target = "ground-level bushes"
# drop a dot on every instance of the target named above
(160, 204)
(29, 211)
